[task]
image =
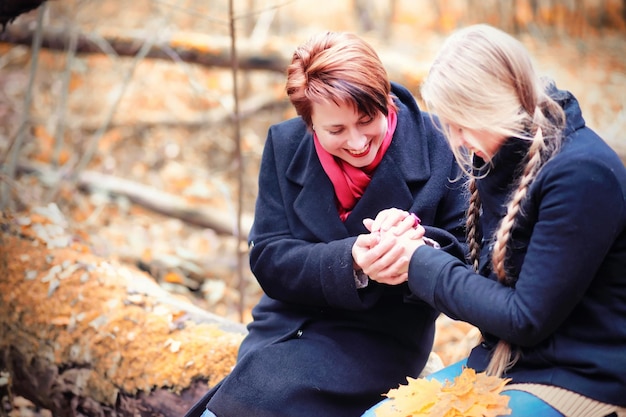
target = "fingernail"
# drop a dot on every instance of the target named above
(416, 220)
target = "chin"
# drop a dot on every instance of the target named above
(360, 162)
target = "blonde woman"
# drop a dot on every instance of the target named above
(546, 227)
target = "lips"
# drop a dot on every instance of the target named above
(361, 153)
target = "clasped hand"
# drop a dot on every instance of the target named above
(384, 253)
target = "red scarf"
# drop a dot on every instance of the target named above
(350, 182)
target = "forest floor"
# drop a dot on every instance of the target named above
(197, 263)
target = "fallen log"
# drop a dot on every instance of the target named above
(151, 198)
(205, 50)
(81, 335)
(84, 336)
(202, 49)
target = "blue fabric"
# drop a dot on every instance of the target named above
(208, 413)
(521, 403)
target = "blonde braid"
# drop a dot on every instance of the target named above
(502, 357)
(503, 232)
(471, 223)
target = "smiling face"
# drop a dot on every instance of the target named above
(348, 135)
(481, 143)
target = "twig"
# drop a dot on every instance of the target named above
(95, 139)
(241, 284)
(60, 126)
(16, 145)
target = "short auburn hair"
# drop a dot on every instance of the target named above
(338, 67)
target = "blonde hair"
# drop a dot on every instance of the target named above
(338, 67)
(483, 80)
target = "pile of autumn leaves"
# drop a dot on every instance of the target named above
(471, 394)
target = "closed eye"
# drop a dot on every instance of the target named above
(366, 121)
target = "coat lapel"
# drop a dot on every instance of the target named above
(405, 163)
(387, 189)
(314, 204)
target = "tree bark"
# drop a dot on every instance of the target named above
(80, 335)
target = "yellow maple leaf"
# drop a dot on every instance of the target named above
(478, 410)
(471, 394)
(485, 383)
(462, 384)
(415, 398)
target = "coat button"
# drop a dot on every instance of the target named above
(299, 333)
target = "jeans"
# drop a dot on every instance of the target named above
(208, 413)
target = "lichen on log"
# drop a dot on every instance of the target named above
(80, 334)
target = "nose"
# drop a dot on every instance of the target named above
(357, 139)
(457, 138)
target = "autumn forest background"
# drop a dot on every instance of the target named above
(130, 143)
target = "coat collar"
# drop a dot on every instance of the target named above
(405, 162)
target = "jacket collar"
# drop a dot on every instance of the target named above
(405, 162)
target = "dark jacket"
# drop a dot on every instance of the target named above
(567, 310)
(318, 346)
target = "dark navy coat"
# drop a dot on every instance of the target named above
(318, 346)
(567, 311)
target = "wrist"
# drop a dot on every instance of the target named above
(360, 278)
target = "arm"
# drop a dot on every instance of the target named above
(580, 210)
(290, 263)
(384, 255)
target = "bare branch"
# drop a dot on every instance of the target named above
(13, 152)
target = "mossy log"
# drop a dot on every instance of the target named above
(82, 335)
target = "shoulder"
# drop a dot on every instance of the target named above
(403, 94)
(586, 163)
(584, 148)
(286, 135)
(288, 143)
(287, 129)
